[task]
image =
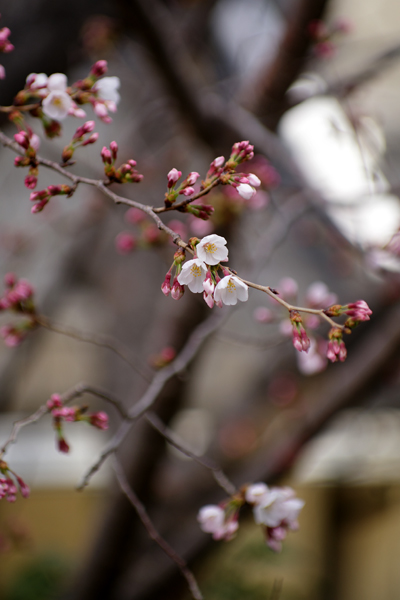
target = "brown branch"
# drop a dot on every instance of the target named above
(153, 533)
(22, 108)
(181, 362)
(172, 439)
(268, 101)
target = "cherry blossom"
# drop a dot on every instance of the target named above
(107, 89)
(193, 275)
(212, 519)
(211, 249)
(57, 103)
(230, 289)
(276, 506)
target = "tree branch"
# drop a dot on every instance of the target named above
(153, 533)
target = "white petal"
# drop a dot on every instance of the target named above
(57, 82)
(246, 191)
(107, 88)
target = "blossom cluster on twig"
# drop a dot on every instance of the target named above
(276, 509)
(8, 478)
(61, 413)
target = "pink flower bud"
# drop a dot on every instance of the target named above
(54, 402)
(262, 314)
(177, 290)
(106, 155)
(22, 139)
(173, 177)
(192, 178)
(99, 68)
(218, 162)
(100, 110)
(168, 354)
(114, 150)
(23, 487)
(10, 279)
(91, 139)
(187, 191)
(35, 141)
(208, 299)
(2, 72)
(62, 445)
(166, 285)
(208, 284)
(30, 182)
(99, 420)
(125, 242)
(134, 215)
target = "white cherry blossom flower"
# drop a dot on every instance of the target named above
(57, 82)
(279, 506)
(246, 191)
(212, 520)
(107, 89)
(193, 274)
(255, 493)
(230, 289)
(211, 249)
(57, 105)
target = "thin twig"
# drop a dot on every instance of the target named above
(75, 392)
(18, 425)
(153, 533)
(181, 362)
(103, 341)
(172, 439)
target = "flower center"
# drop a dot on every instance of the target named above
(231, 287)
(210, 247)
(195, 270)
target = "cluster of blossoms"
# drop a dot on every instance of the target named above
(18, 298)
(5, 46)
(323, 35)
(126, 173)
(53, 100)
(8, 489)
(201, 274)
(315, 350)
(62, 413)
(275, 509)
(220, 171)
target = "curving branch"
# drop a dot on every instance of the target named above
(153, 533)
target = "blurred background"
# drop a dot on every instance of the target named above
(320, 103)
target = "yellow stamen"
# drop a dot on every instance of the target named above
(195, 270)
